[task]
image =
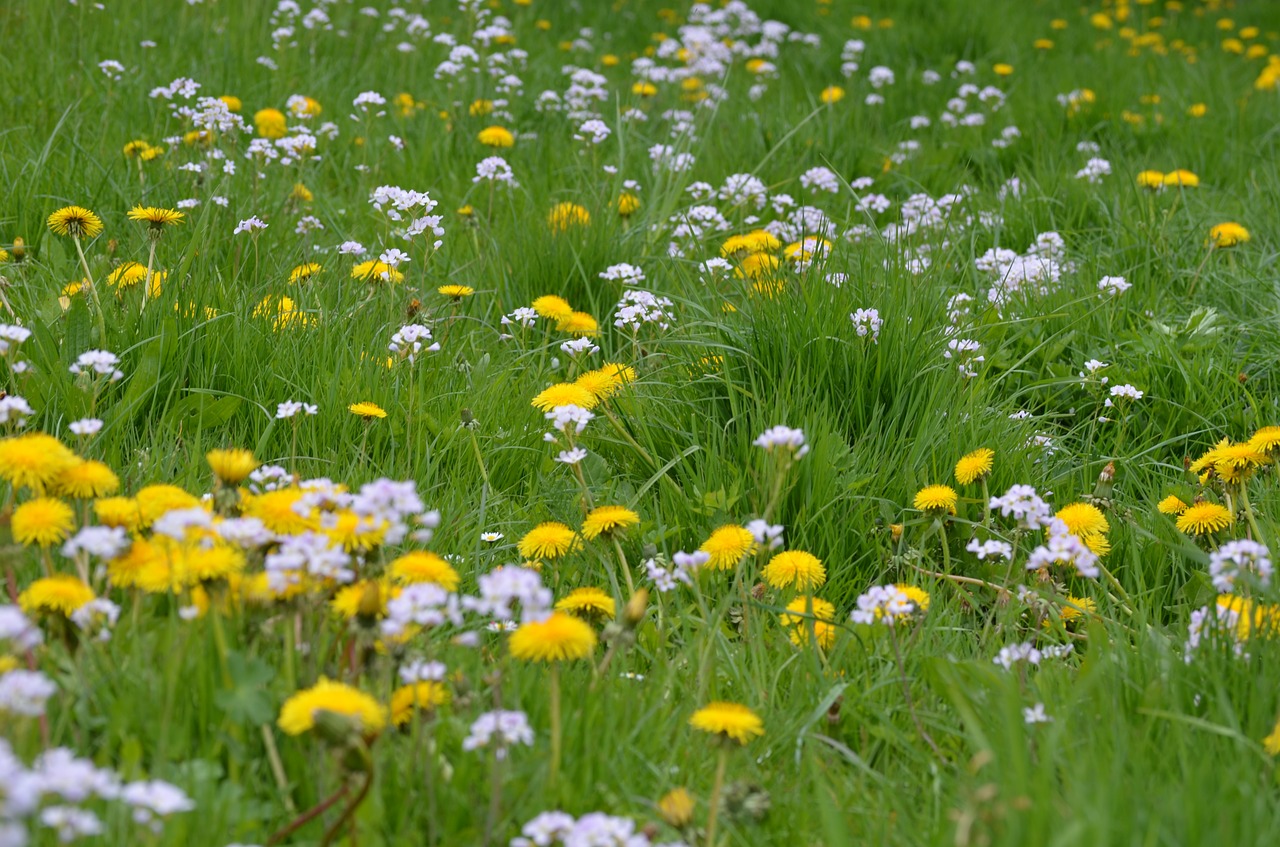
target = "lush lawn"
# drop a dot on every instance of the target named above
(907, 231)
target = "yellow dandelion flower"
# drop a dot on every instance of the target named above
(579, 323)
(627, 204)
(602, 383)
(298, 714)
(354, 533)
(975, 466)
(120, 512)
(198, 564)
(138, 564)
(60, 594)
(422, 566)
(676, 808)
(366, 599)
(795, 569)
(42, 522)
(270, 123)
(727, 546)
(549, 540)
(367, 410)
(936, 499)
(831, 94)
(1181, 179)
(156, 218)
(1266, 440)
(728, 721)
(496, 136)
(918, 595)
(86, 479)
(1171, 505)
(590, 603)
(1076, 608)
(1272, 742)
(276, 511)
(232, 466)
(1227, 235)
(304, 272)
(800, 610)
(156, 500)
(425, 696)
(559, 638)
(1153, 180)
(1204, 518)
(1083, 519)
(563, 394)
(374, 270)
(565, 215)
(75, 221)
(34, 461)
(457, 292)
(552, 307)
(603, 520)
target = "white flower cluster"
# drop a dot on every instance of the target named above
(1064, 548)
(558, 829)
(785, 437)
(499, 730)
(867, 322)
(412, 339)
(398, 203)
(98, 363)
(683, 565)
(639, 308)
(52, 793)
(623, 273)
(886, 604)
(1033, 273)
(1025, 506)
(1240, 560)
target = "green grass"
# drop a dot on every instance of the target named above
(1144, 747)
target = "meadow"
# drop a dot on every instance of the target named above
(639, 424)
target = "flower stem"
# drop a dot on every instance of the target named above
(717, 788)
(93, 292)
(146, 280)
(554, 774)
(622, 563)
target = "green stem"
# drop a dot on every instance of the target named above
(93, 292)
(622, 563)
(717, 788)
(556, 740)
(146, 280)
